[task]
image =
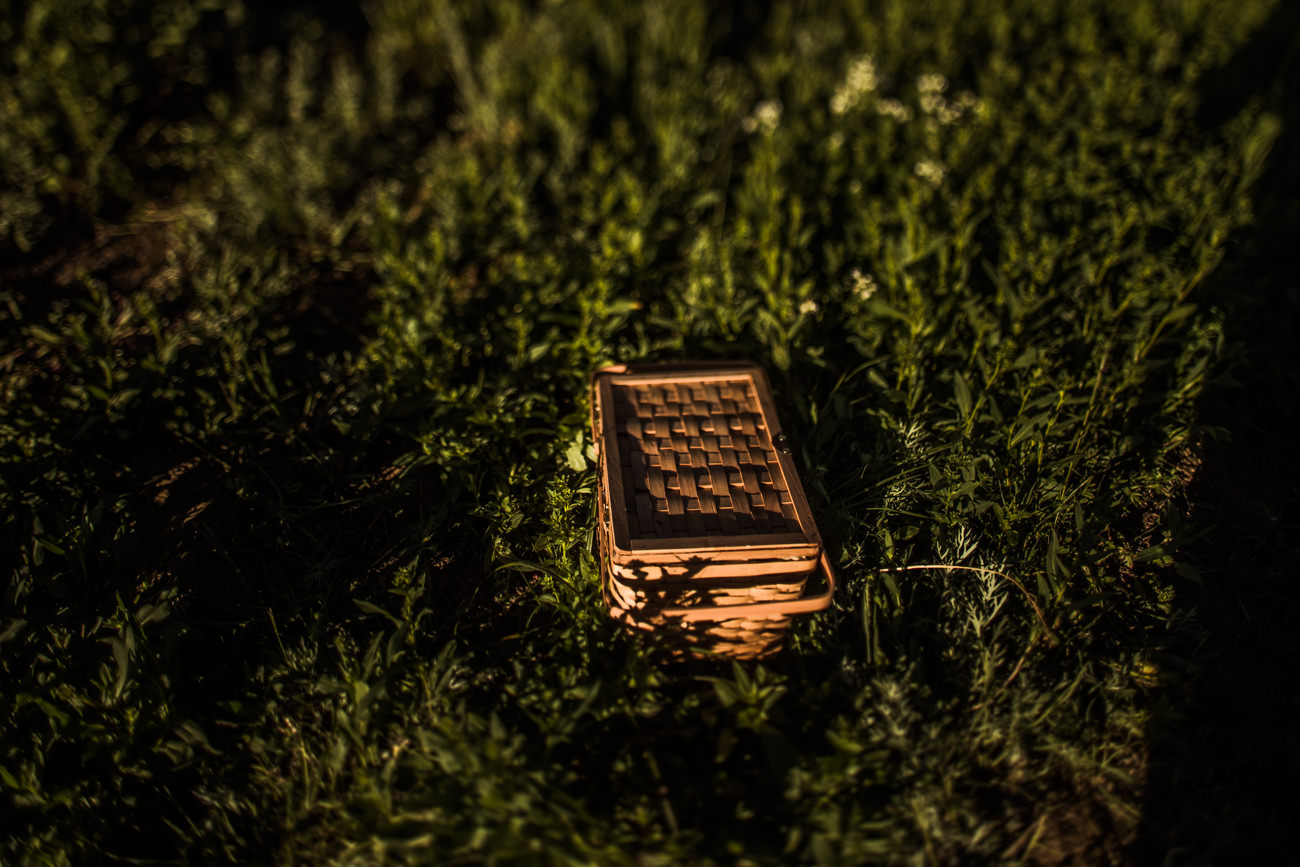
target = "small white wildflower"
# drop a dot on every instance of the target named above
(862, 284)
(946, 111)
(768, 113)
(860, 80)
(808, 306)
(930, 170)
(862, 77)
(766, 116)
(892, 108)
(931, 82)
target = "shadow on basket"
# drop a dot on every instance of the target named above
(706, 536)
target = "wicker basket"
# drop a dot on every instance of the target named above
(705, 534)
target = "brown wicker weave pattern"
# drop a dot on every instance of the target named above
(697, 460)
(737, 637)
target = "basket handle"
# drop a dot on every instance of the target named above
(804, 605)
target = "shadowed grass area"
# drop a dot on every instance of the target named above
(298, 314)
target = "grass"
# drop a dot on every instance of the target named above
(298, 313)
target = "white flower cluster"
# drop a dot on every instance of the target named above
(932, 87)
(930, 170)
(933, 102)
(807, 307)
(862, 284)
(892, 108)
(766, 117)
(862, 79)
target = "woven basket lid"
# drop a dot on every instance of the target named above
(692, 475)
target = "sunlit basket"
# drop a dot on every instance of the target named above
(704, 530)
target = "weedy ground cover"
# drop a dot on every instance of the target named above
(296, 490)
